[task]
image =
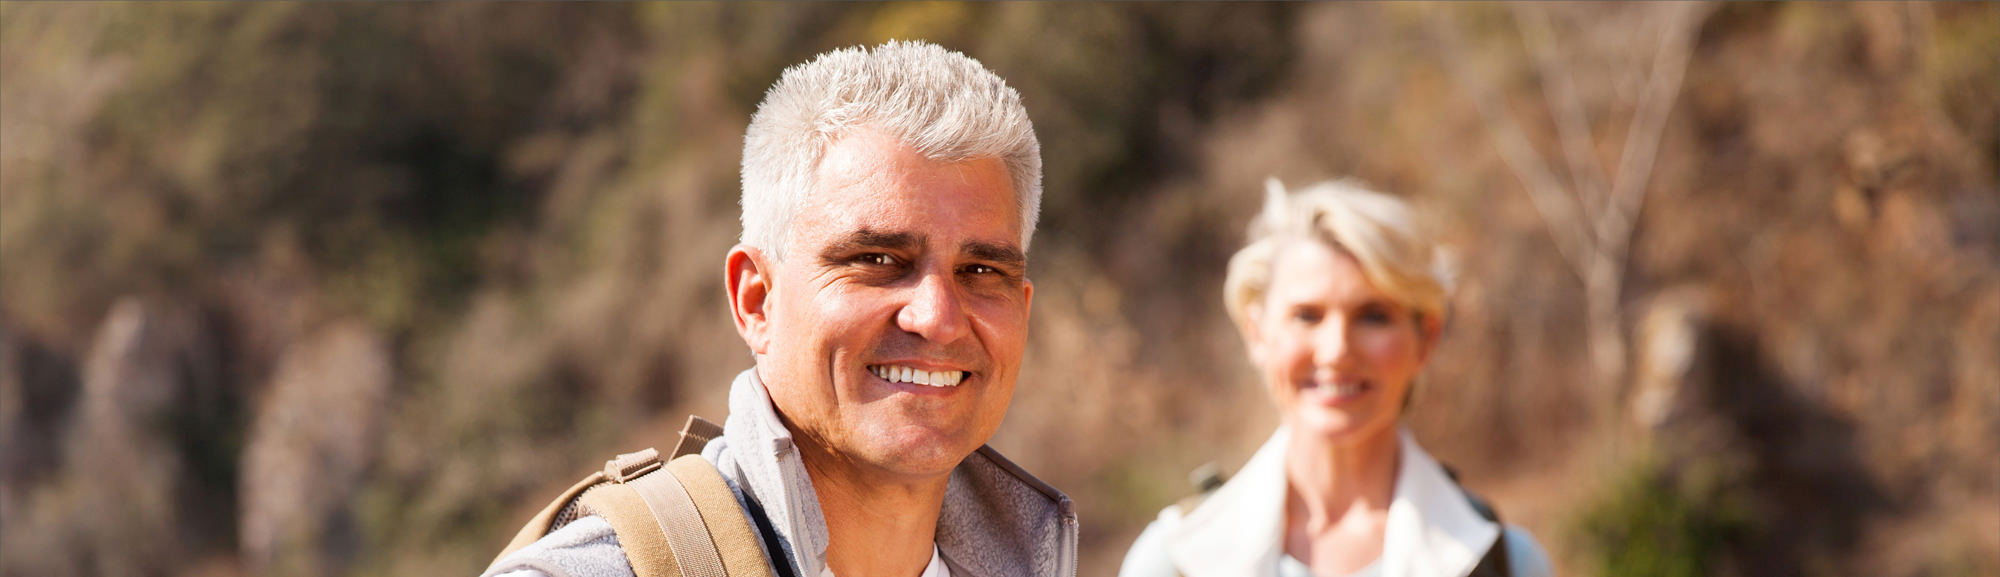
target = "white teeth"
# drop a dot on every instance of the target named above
(901, 374)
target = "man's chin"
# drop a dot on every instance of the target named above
(921, 455)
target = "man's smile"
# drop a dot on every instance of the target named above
(896, 373)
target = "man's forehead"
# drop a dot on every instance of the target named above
(873, 189)
(1004, 250)
(866, 160)
(884, 218)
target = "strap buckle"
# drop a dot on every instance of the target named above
(631, 466)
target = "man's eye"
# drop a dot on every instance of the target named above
(876, 258)
(981, 269)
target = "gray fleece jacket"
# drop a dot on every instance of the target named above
(997, 520)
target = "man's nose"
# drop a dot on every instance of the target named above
(935, 311)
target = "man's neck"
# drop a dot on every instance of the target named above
(877, 525)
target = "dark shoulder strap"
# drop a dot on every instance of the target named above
(773, 544)
(1206, 479)
(1480, 505)
(1494, 563)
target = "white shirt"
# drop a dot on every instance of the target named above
(935, 569)
(1238, 531)
(1289, 566)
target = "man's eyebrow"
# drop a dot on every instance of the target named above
(865, 239)
(1007, 256)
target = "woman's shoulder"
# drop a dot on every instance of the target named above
(1525, 556)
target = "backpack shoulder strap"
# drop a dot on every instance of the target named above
(1495, 562)
(628, 505)
(673, 519)
(610, 494)
(723, 526)
(1206, 479)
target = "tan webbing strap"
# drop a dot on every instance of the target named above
(645, 544)
(728, 528)
(674, 511)
(695, 434)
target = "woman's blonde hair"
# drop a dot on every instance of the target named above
(1374, 228)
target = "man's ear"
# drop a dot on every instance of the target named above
(1028, 294)
(747, 274)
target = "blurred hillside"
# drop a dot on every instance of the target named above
(338, 289)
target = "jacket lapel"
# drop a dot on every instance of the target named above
(758, 457)
(1432, 530)
(999, 521)
(1237, 531)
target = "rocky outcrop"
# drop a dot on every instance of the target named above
(314, 438)
(127, 497)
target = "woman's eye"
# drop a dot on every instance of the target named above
(1376, 316)
(1306, 316)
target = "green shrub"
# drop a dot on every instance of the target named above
(1658, 522)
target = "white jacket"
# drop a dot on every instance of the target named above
(1433, 531)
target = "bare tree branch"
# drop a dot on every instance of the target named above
(1572, 122)
(1565, 222)
(1591, 224)
(1642, 142)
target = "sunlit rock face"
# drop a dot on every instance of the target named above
(128, 494)
(314, 438)
(1668, 340)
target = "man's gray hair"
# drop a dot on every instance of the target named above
(944, 104)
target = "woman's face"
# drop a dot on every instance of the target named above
(1337, 354)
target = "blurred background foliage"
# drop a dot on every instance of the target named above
(350, 289)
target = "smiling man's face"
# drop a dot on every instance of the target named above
(896, 321)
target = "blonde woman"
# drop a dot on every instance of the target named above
(1340, 304)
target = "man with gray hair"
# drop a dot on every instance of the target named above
(889, 195)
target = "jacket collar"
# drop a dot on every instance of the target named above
(1432, 531)
(997, 520)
